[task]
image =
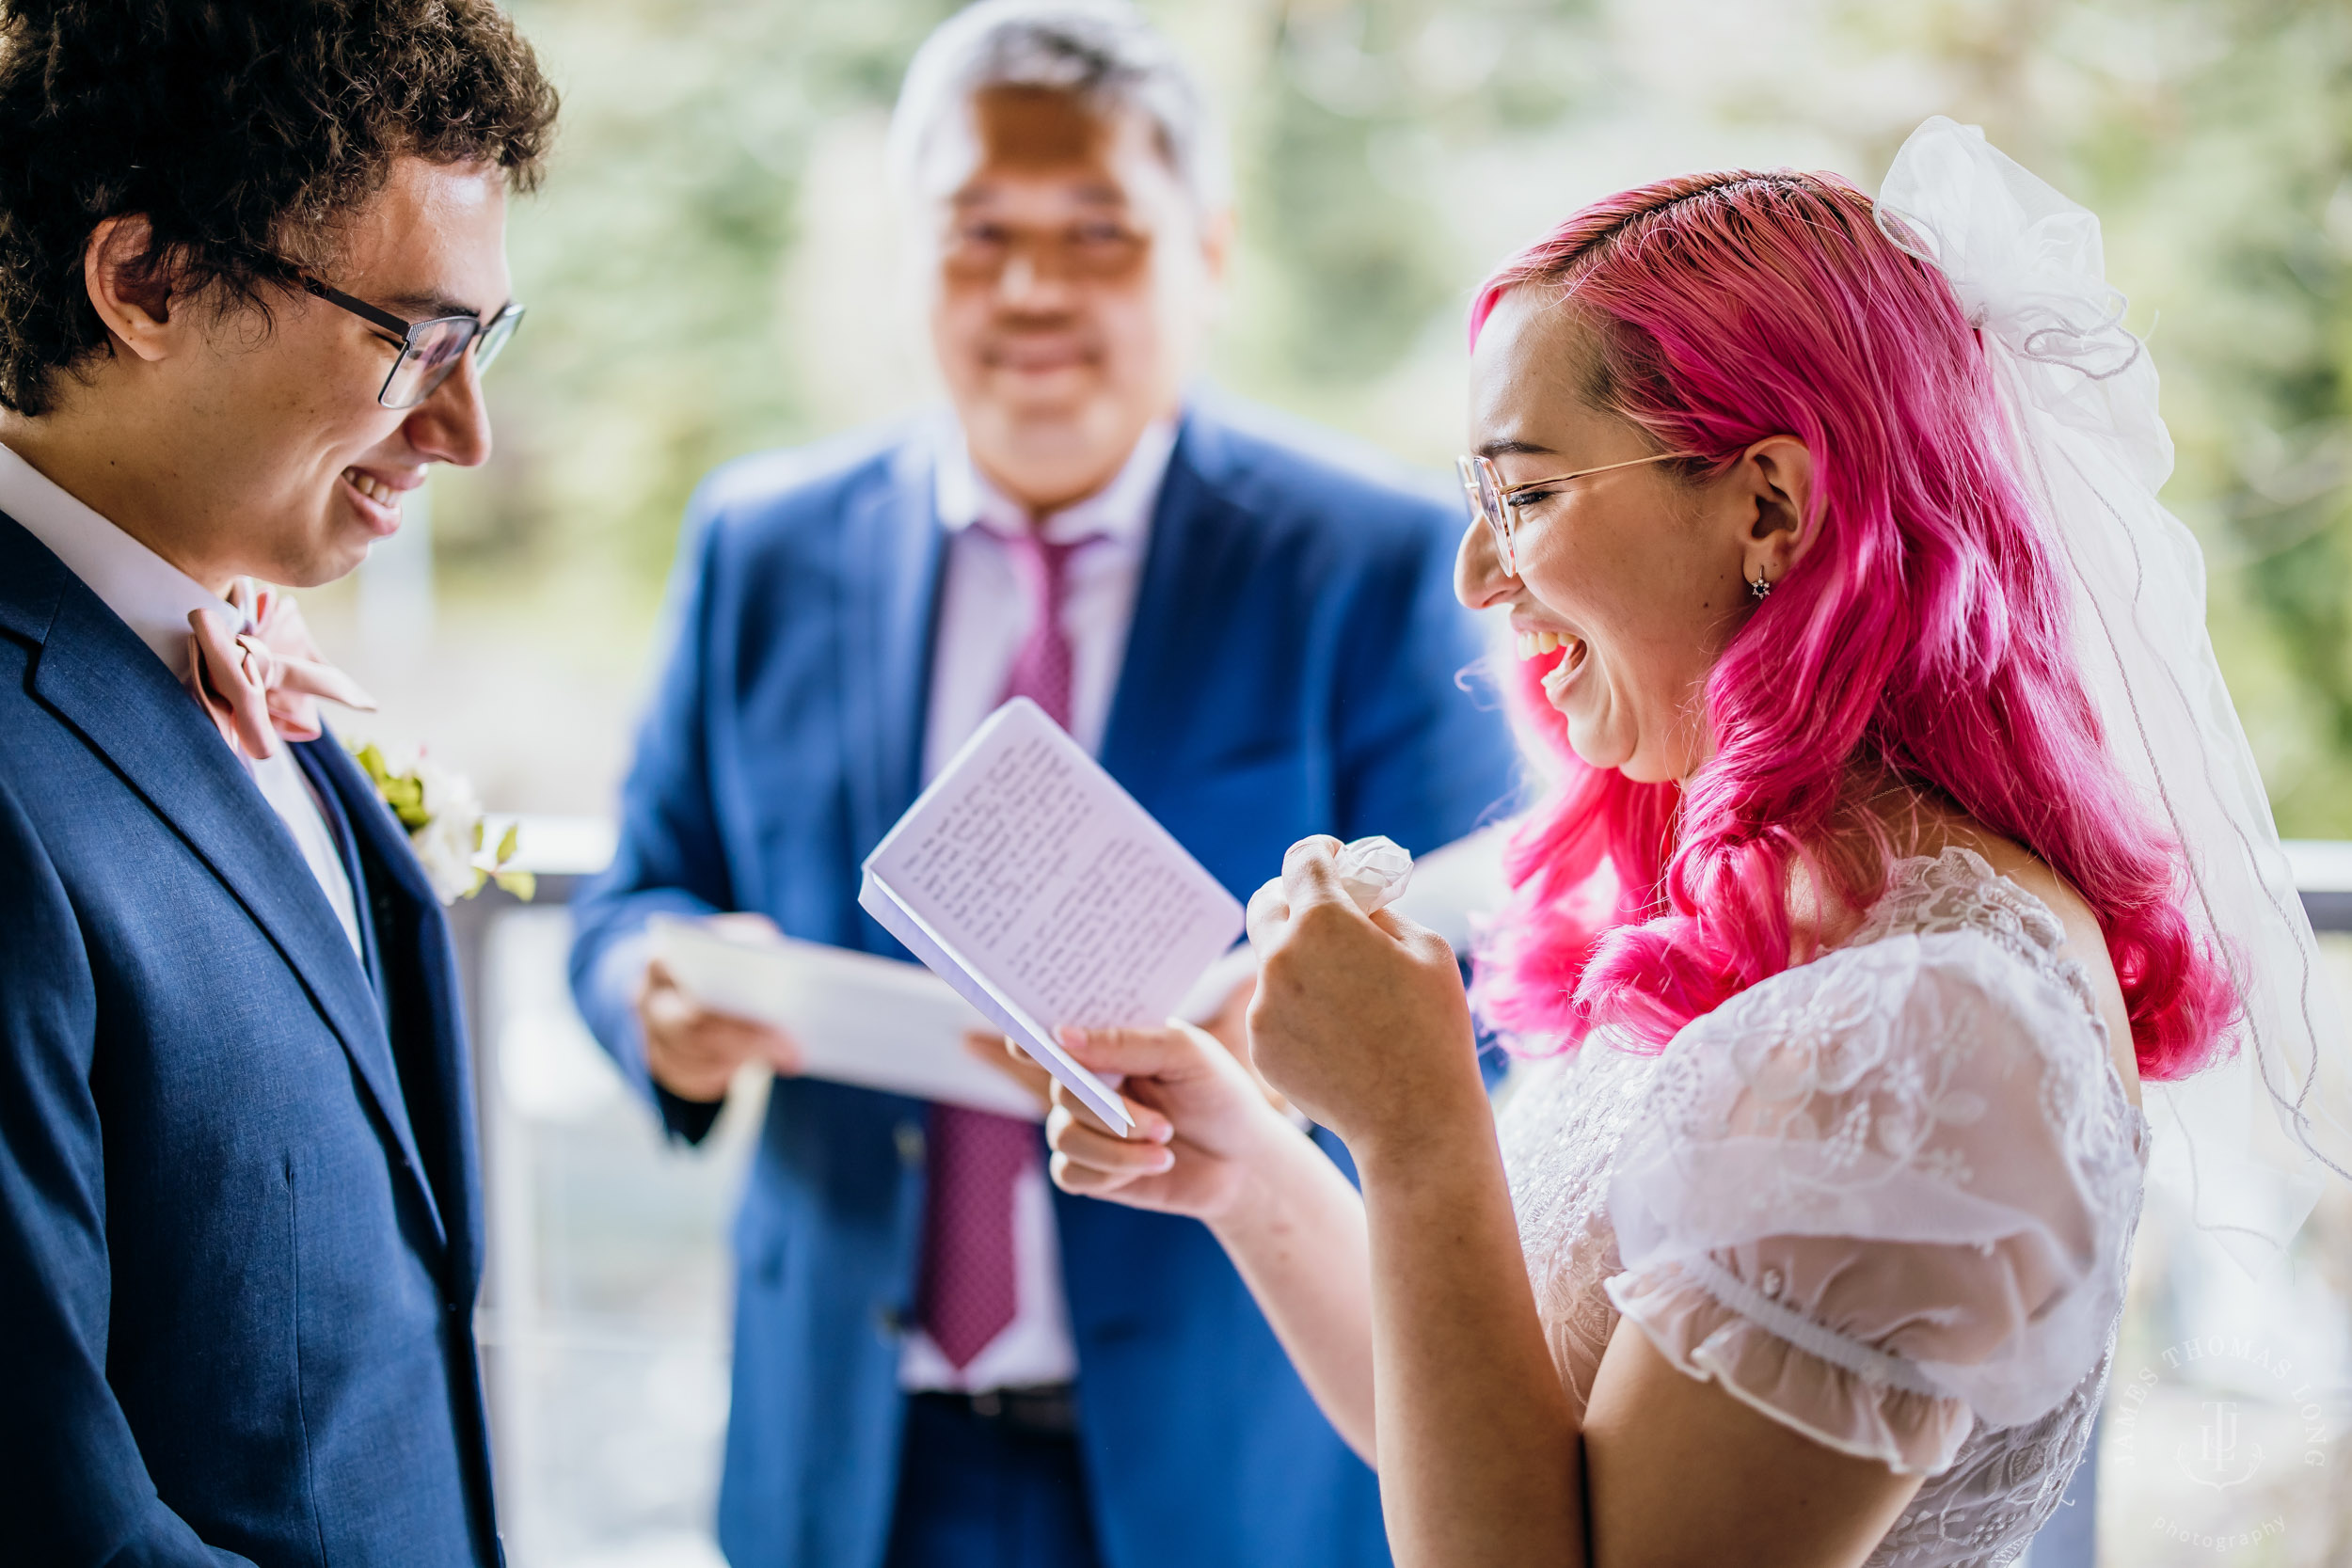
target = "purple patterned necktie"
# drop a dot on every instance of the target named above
(968, 1294)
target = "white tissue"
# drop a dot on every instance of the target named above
(1374, 871)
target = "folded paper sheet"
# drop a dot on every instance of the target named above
(1037, 887)
(858, 1019)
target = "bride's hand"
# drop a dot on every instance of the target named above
(1359, 1020)
(1199, 1115)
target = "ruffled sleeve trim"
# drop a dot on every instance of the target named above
(1841, 1393)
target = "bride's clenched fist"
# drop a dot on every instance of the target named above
(1359, 1020)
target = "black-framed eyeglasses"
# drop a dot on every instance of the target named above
(429, 349)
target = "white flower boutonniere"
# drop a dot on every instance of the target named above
(444, 822)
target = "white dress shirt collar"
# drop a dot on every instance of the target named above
(154, 598)
(150, 595)
(1121, 510)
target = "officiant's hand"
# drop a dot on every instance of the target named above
(1201, 1118)
(695, 1051)
(1360, 1020)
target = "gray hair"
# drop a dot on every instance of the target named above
(1103, 51)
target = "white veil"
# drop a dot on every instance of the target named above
(2246, 1142)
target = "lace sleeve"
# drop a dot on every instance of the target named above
(1884, 1196)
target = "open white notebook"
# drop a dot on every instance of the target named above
(1031, 882)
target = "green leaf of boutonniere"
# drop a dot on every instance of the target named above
(403, 793)
(448, 835)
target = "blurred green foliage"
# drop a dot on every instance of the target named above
(1386, 151)
(650, 261)
(1345, 134)
(2214, 140)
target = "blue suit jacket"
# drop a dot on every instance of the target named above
(239, 1219)
(1290, 670)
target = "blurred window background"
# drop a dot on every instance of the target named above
(712, 268)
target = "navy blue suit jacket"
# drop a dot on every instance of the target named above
(240, 1224)
(1290, 670)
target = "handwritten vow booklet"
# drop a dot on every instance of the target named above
(858, 1019)
(1030, 882)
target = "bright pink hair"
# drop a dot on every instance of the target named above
(1924, 633)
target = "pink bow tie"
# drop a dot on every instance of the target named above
(261, 680)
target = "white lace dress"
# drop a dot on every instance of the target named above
(1885, 1197)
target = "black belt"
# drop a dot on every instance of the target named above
(1044, 1410)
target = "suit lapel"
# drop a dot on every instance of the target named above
(1185, 563)
(894, 553)
(418, 966)
(104, 682)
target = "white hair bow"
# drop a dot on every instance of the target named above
(2030, 273)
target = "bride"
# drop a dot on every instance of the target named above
(1841, 952)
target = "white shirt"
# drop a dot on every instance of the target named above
(984, 609)
(154, 598)
(984, 616)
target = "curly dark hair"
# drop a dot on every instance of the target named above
(242, 130)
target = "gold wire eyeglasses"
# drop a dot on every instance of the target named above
(1498, 503)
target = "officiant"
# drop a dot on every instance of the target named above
(938, 1359)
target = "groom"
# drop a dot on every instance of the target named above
(239, 1227)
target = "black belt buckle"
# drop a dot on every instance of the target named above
(1046, 1410)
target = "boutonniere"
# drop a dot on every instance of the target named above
(444, 819)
